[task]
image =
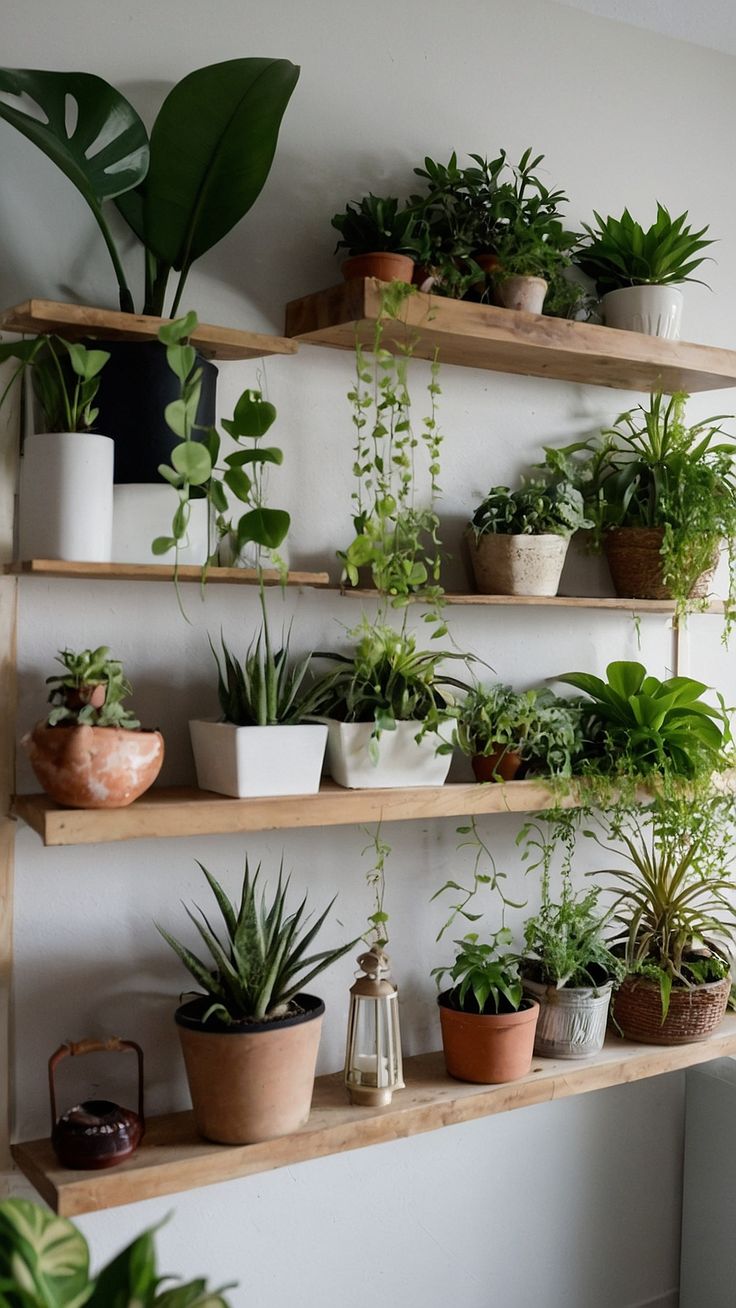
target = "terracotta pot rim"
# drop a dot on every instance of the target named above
(523, 1013)
(186, 1015)
(93, 726)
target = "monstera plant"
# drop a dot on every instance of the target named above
(181, 191)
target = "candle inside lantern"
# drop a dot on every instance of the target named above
(367, 1066)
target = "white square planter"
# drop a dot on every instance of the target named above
(248, 762)
(401, 760)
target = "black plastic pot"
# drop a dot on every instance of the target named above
(135, 387)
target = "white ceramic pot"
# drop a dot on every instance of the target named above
(517, 565)
(653, 310)
(527, 293)
(572, 1022)
(65, 504)
(247, 762)
(402, 761)
(142, 511)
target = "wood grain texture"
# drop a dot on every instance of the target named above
(611, 602)
(158, 572)
(182, 811)
(173, 1158)
(74, 321)
(506, 340)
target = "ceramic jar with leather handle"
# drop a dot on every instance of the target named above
(96, 1133)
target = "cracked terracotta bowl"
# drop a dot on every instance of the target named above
(94, 767)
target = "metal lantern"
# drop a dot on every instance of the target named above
(373, 1053)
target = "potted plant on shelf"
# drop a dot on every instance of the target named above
(518, 540)
(396, 546)
(487, 1022)
(382, 239)
(66, 498)
(503, 731)
(250, 1040)
(673, 904)
(262, 745)
(531, 243)
(91, 752)
(461, 212)
(386, 708)
(637, 272)
(45, 1263)
(570, 970)
(662, 498)
(211, 147)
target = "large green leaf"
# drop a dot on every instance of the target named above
(43, 1255)
(212, 146)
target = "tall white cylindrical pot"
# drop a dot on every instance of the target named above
(65, 506)
(653, 310)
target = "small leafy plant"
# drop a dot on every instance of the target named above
(386, 680)
(45, 1263)
(259, 962)
(65, 394)
(564, 944)
(647, 726)
(461, 210)
(543, 728)
(537, 508)
(485, 976)
(620, 252)
(531, 240)
(90, 691)
(374, 224)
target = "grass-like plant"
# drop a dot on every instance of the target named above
(259, 962)
(485, 976)
(269, 687)
(375, 224)
(536, 508)
(565, 943)
(543, 728)
(620, 252)
(90, 691)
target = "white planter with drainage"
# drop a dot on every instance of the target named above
(252, 762)
(402, 760)
(652, 310)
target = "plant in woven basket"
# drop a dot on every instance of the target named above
(259, 962)
(672, 899)
(620, 252)
(90, 691)
(652, 469)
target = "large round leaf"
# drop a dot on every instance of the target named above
(104, 152)
(265, 527)
(212, 146)
(43, 1255)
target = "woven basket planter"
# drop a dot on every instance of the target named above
(635, 559)
(693, 1013)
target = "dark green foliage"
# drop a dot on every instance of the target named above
(65, 395)
(374, 224)
(619, 252)
(535, 509)
(485, 978)
(565, 945)
(545, 729)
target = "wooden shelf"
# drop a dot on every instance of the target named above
(157, 572)
(173, 1157)
(77, 321)
(506, 340)
(554, 601)
(184, 811)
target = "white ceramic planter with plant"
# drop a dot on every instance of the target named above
(518, 540)
(248, 762)
(66, 472)
(396, 759)
(637, 272)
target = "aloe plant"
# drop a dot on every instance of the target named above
(268, 687)
(261, 961)
(208, 158)
(622, 253)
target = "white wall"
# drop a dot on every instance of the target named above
(563, 1205)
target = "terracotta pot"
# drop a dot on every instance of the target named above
(487, 261)
(488, 1048)
(692, 1015)
(572, 1020)
(516, 565)
(94, 767)
(250, 1081)
(525, 293)
(635, 559)
(383, 265)
(503, 763)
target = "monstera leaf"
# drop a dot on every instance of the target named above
(91, 133)
(212, 146)
(44, 1261)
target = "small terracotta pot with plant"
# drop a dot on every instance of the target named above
(91, 752)
(250, 1041)
(382, 239)
(505, 732)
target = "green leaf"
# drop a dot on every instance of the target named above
(193, 462)
(179, 329)
(252, 417)
(86, 363)
(265, 527)
(130, 1278)
(212, 146)
(240, 484)
(263, 454)
(43, 1255)
(162, 544)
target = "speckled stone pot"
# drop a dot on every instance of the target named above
(525, 293)
(94, 767)
(517, 565)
